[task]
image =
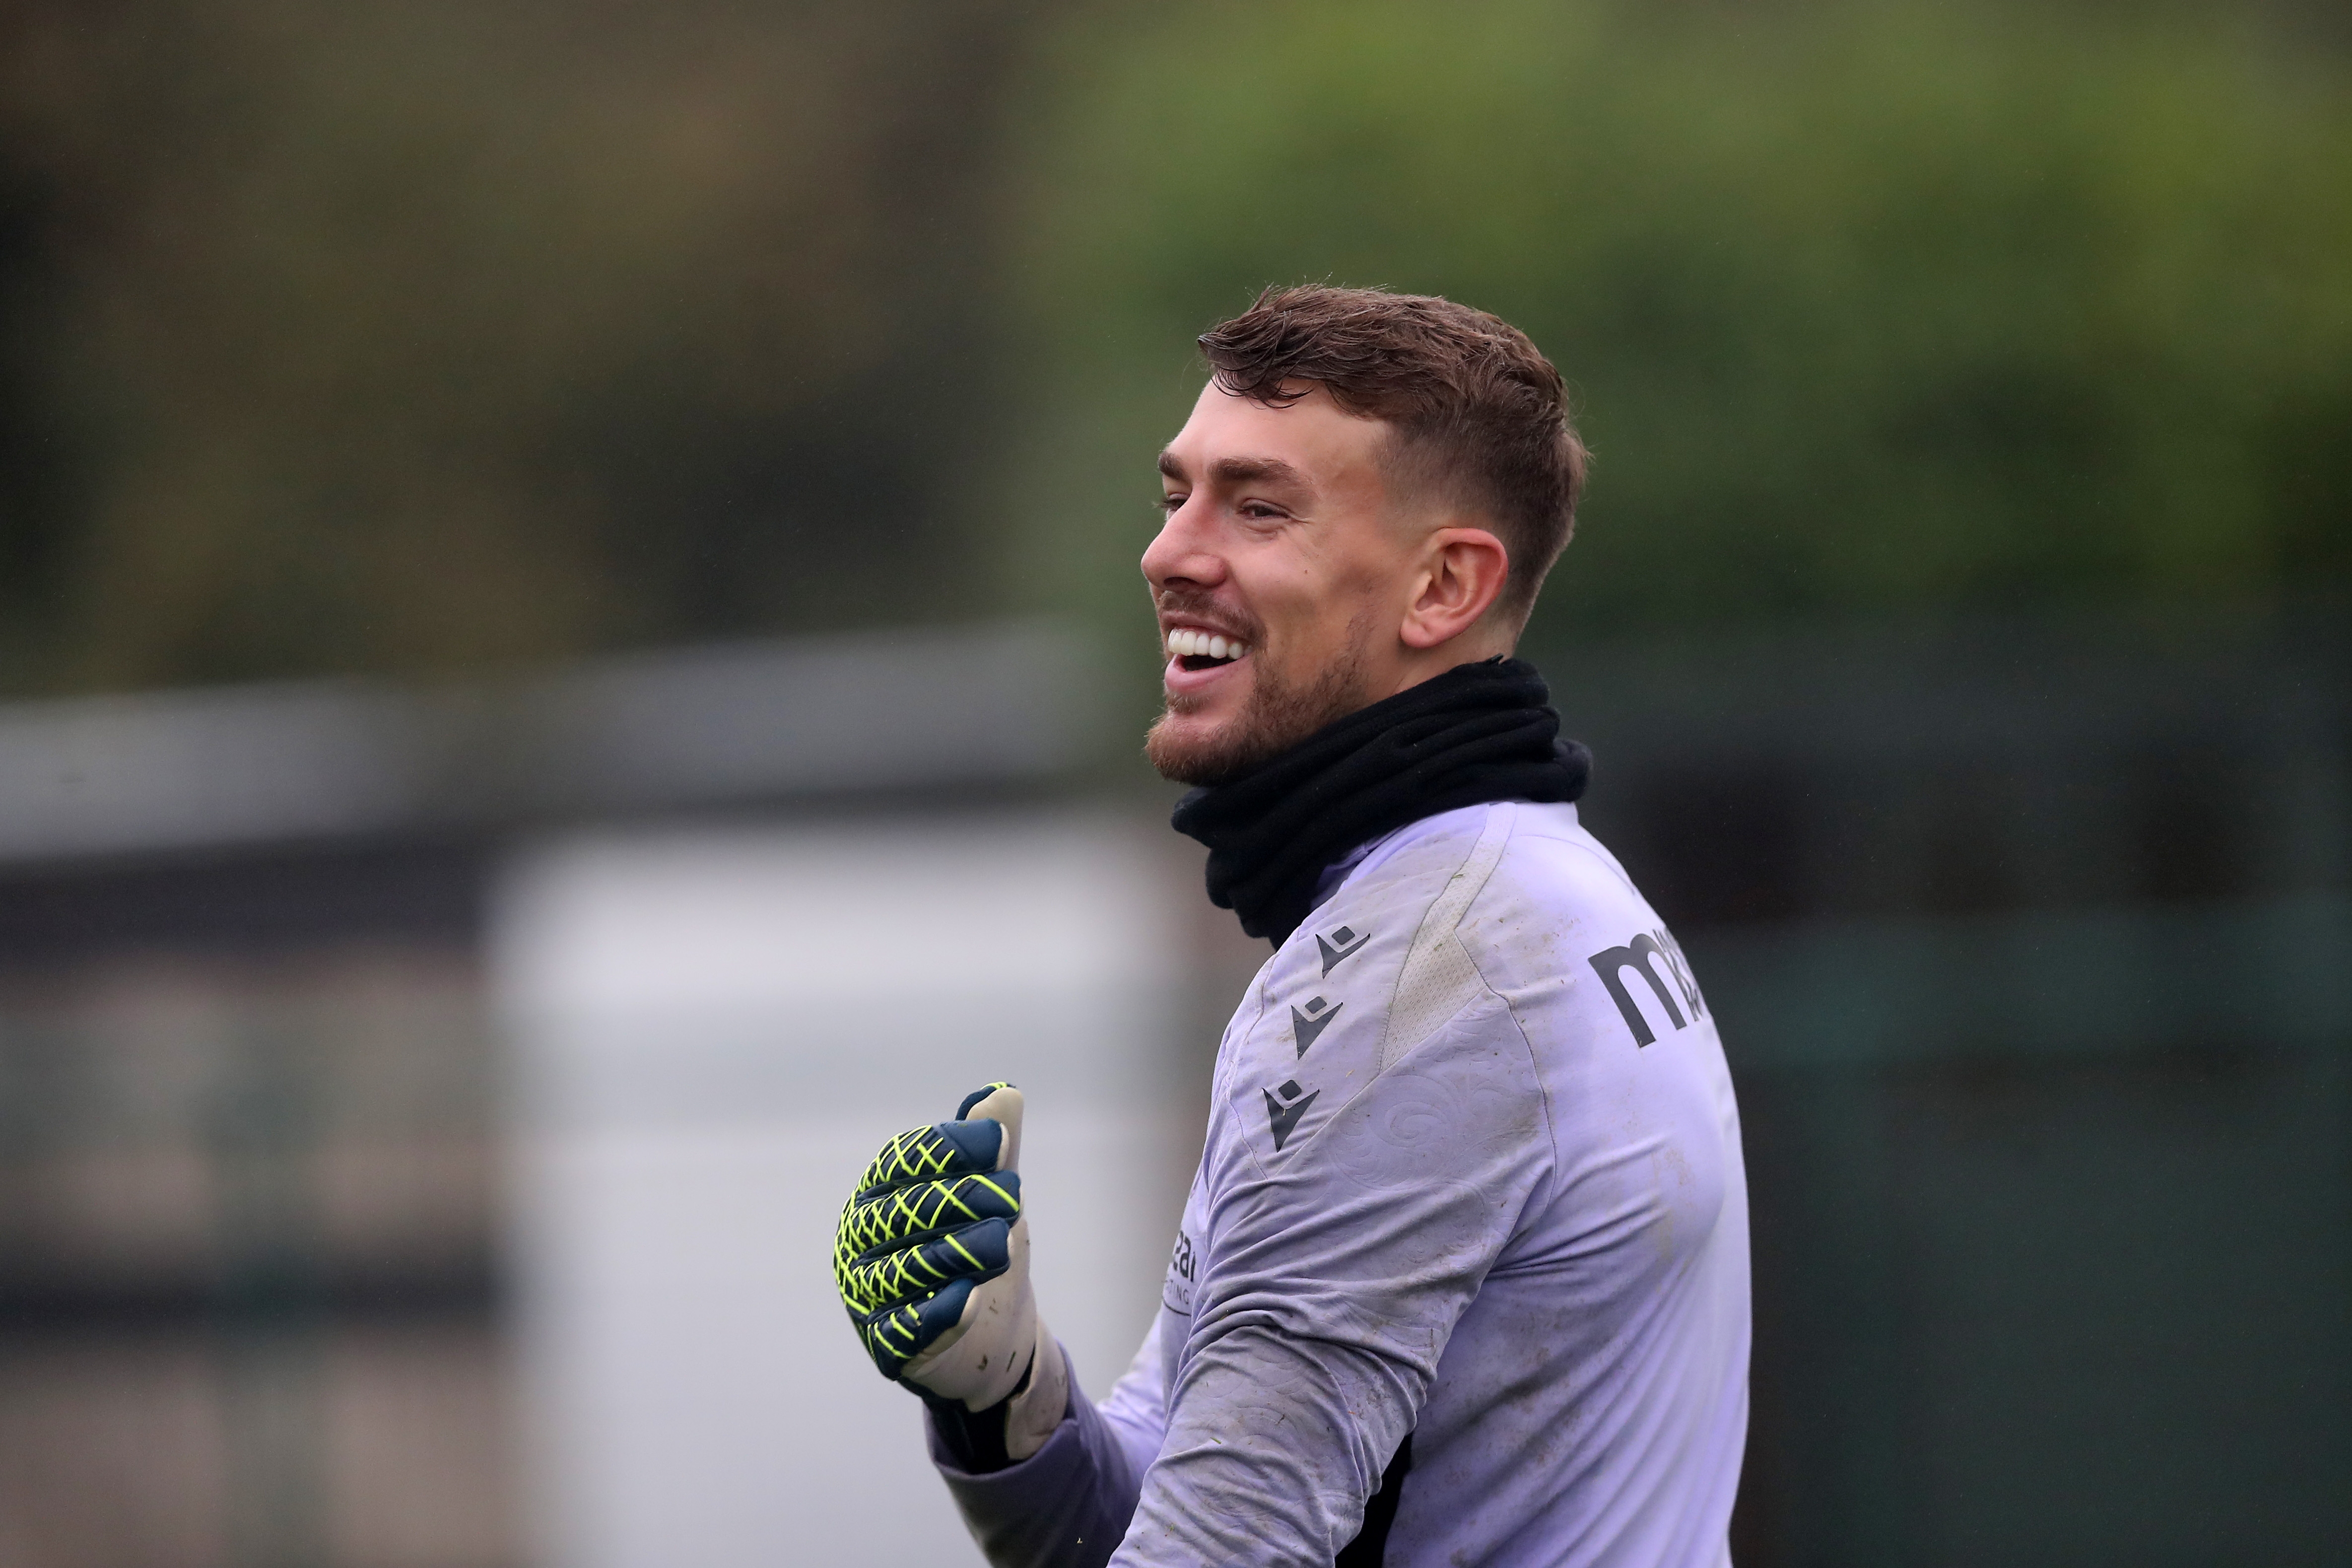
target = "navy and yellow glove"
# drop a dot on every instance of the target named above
(931, 1258)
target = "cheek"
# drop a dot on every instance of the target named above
(1278, 591)
(1313, 604)
(1343, 598)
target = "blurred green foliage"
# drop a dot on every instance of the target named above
(393, 337)
(1871, 310)
(400, 336)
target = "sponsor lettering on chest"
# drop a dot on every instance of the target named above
(1176, 1294)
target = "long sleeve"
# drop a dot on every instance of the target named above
(1342, 1263)
(1066, 1505)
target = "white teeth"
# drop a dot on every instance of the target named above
(1184, 642)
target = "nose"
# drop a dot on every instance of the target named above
(1185, 551)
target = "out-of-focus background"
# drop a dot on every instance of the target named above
(571, 658)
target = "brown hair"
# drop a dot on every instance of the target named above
(1479, 415)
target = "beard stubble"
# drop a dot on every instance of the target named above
(1279, 713)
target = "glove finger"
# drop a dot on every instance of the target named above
(977, 1253)
(901, 1217)
(897, 1335)
(928, 1154)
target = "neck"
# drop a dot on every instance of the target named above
(1414, 665)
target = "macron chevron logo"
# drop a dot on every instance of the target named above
(1283, 1114)
(1307, 1023)
(1339, 945)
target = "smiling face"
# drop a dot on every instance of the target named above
(1294, 585)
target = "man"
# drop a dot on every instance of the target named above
(1463, 1277)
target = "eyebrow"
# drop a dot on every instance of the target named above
(1239, 470)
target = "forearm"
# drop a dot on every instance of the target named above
(1066, 1506)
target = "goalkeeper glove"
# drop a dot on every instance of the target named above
(932, 1260)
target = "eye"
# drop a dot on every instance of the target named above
(1258, 509)
(1169, 503)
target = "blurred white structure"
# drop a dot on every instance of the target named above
(714, 1029)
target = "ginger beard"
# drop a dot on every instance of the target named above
(1280, 708)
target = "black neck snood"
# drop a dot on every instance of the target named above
(1478, 733)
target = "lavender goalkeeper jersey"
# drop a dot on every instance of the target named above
(1473, 1177)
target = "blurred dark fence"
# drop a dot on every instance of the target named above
(2032, 951)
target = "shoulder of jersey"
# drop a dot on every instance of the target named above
(1339, 998)
(1559, 924)
(1553, 892)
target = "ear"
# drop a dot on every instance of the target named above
(1460, 577)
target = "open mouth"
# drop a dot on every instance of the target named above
(1197, 650)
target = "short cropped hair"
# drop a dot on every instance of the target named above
(1479, 415)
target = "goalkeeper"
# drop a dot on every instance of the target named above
(1462, 1276)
